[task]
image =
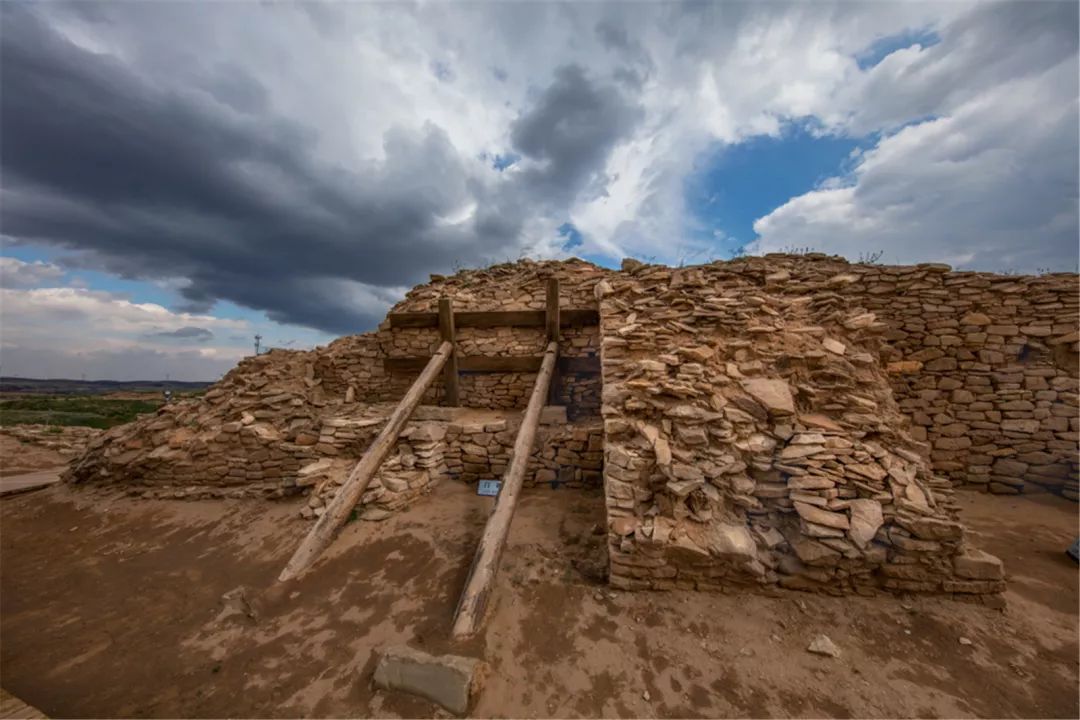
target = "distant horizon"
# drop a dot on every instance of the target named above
(15, 378)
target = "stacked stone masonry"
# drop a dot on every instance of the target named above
(782, 421)
(752, 439)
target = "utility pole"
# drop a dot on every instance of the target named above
(258, 339)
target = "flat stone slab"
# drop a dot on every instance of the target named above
(28, 482)
(451, 681)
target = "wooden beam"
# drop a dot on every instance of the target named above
(474, 600)
(569, 317)
(450, 370)
(351, 491)
(553, 333)
(498, 364)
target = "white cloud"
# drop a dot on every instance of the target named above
(57, 332)
(975, 163)
(15, 273)
(50, 312)
(992, 185)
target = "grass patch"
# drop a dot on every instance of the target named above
(88, 411)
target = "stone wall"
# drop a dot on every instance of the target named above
(566, 454)
(792, 421)
(752, 439)
(463, 445)
(985, 365)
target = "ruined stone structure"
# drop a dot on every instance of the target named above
(785, 421)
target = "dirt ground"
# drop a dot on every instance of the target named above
(112, 607)
(18, 457)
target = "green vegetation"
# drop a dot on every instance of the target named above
(86, 410)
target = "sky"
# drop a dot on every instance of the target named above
(176, 178)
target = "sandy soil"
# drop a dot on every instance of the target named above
(112, 607)
(18, 457)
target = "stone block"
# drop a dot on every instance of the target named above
(975, 564)
(451, 681)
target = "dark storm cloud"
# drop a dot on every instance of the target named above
(206, 183)
(189, 333)
(570, 132)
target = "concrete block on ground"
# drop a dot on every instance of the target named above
(451, 681)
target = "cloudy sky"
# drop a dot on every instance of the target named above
(177, 177)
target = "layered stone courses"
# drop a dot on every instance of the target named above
(786, 421)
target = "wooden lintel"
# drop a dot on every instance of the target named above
(568, 317)
(499, 364)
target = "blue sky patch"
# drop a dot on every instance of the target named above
(501, 162)
(885, 46)
(573, 237)
(734, 185)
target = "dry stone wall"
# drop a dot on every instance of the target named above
(985, 365)
(566, 454)
(476, 447)
(752, 439)
(786, 421)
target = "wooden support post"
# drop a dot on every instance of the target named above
(552, 309)
(554, 334)
(474, 600)
(450, 370)
(351, 491)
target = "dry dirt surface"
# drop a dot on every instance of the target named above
(113, 607)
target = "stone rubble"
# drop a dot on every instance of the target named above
(68, 441)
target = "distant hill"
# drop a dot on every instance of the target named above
(59, 386)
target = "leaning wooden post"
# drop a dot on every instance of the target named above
(450, 371)
(474, 600)
(554, 333)
(351, 491)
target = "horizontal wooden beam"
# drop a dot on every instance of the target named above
(499, 364)
(496, 318)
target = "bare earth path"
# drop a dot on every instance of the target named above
(112, 607)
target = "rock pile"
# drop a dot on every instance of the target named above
(67, 441)
(752, 439)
